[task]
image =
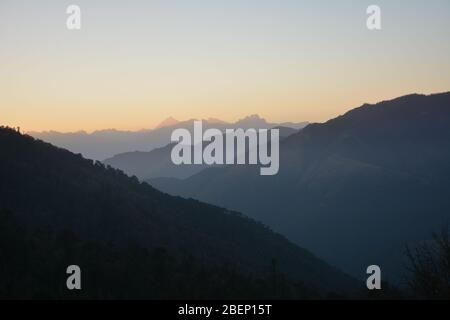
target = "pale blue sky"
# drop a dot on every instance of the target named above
(136, 62)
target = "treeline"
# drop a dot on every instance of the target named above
(33, 266)
(52, 190)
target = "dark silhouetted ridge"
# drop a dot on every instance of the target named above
(47, 188)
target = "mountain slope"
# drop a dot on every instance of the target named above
(158, 163)
(355, 189)
(152, 164)
(48, 187)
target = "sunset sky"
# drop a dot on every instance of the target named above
(134, 63)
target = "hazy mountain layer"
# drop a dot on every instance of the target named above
(355, 189)
(103, 144)
(158, 163)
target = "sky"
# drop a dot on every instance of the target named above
(135, 63)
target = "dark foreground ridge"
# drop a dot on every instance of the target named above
(131, 240)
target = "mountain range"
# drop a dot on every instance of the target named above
(355, 190)
(103, 144)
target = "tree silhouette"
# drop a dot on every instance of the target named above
(429, 265)
(35, 262)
